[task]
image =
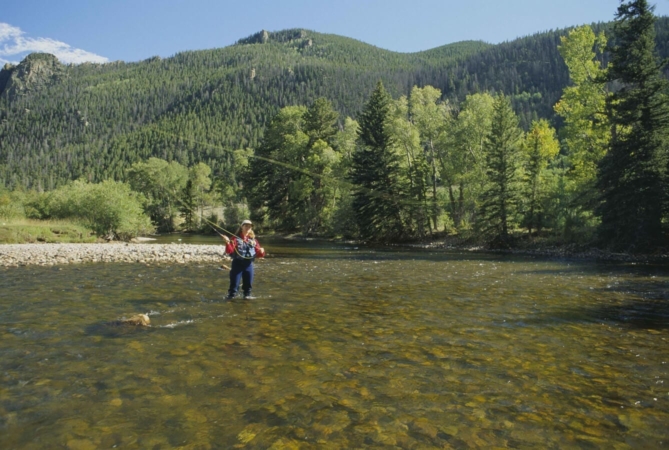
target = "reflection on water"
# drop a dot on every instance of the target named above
(344, 346)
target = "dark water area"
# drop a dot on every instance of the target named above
(344, 347)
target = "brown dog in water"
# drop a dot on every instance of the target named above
(138, 320)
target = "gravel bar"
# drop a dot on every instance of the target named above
(12, 255)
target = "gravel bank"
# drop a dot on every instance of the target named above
(55, 254)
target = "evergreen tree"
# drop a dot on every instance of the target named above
(187, 206)
(379, 189)
(320, 121)
(275, 179)
(503, 159)
(632, 175)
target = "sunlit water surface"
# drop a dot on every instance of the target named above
(343, 347)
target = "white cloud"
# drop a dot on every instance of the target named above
(9, 32)
(13, 46)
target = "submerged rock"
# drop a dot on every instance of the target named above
(138, 320)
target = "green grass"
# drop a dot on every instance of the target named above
(21, 231)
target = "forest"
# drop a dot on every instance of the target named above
(561, 134)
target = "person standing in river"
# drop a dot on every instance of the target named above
(244, 249)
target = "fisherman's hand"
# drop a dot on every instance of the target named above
(225, 239)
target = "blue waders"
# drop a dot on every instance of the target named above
(241, 269)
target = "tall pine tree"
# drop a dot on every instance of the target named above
(632, 175)
(499, 202)
(379, 185)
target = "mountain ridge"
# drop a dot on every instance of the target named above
(94, 120)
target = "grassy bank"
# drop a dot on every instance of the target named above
(20, 231)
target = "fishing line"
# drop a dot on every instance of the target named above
(212, 225)
(341, 183)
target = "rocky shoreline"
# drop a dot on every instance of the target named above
(14, 255)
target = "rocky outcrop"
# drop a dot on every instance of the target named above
(294, 36)
(34, 72)
(5, 74)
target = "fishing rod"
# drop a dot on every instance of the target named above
(213, 226)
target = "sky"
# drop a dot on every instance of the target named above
(78, 31)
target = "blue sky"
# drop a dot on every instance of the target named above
(132, 30)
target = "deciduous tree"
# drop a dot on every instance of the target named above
(431, 118)
(463, 159)
(162, 184)
(583, 104)
(406, 142)
(540, 147)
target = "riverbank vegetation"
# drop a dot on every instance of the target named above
(159, 196)
(19, 231)
(412, 167)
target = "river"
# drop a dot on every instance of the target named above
(344, 347)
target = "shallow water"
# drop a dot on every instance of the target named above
(343, 347)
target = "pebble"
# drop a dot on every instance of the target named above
(14, 255)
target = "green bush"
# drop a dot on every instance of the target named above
(111, 209)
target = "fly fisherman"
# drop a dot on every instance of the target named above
(243, 248)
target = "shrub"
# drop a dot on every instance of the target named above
(110, 208)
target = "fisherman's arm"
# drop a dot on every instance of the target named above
(229, 245)
(260, 252)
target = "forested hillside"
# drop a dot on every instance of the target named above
(92, 121)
